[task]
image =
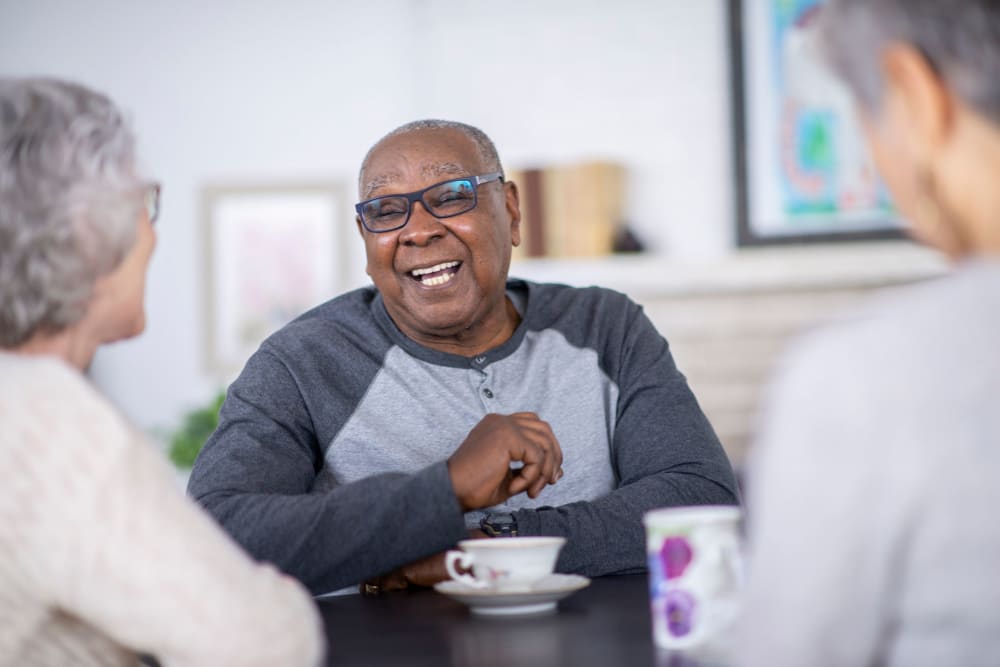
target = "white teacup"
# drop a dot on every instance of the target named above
(504, 563)
(695, 574)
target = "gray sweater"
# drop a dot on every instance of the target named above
(873, 487)
(329, 459)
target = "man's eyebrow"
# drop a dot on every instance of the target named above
(378, 182)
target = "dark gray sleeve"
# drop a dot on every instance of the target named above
(255, 476)
(664, 451)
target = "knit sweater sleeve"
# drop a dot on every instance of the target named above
(117, 545)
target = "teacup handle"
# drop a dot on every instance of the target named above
(465, 560)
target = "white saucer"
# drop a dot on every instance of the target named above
(540, 598)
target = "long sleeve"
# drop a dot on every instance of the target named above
(825, 520)
(256, 475)
(155, 573)
(112, 549)
(664, 453)
(872, 487)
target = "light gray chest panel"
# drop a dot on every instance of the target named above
(416, 413)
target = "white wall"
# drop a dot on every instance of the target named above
(238, 90)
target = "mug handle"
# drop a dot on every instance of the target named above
(465, 560)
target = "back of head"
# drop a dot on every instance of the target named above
(68, 204)
(959, 38)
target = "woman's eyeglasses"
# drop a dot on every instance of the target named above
(152, 201)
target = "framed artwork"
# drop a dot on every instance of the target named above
(803, 172)
(272, 252)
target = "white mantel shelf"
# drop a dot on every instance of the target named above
(806, 267)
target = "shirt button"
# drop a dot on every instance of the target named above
(487, 393)
(480, 359)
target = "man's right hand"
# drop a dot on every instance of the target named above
(480, 468)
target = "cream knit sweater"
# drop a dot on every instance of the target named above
(101, 555)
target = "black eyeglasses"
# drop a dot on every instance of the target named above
(151, 200)
(442, 200)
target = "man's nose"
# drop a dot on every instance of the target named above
(422, 227)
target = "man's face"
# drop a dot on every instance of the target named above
(461, 300)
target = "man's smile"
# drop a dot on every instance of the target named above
(437, 274)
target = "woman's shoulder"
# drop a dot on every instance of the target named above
(44, 381)
(51, 406)
(907, 338)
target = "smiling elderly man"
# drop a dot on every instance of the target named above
(362, 436)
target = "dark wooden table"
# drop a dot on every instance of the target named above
(606, 624)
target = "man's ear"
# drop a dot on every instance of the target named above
(361, 233)
(916, 100)
(513, 203)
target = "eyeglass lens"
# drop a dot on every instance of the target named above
(442, 201)
(152, 202)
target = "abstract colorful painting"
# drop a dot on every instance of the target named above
(804, 172)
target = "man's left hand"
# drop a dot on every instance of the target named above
(421, 573)
(424, 572)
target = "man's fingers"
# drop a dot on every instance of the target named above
(541, 435)
(526, 478)
(538, 487)
(480, 468)
(535, 425)
(541, 455)
(426, 572)
(547, 454)
(516, 484)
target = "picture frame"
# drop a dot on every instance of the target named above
(271, 253)
(802, 171)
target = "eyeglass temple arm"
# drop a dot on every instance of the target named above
(486, 178)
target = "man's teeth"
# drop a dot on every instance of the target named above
(438, 280)
(433, 269)
(435, 275)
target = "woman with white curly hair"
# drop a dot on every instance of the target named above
(873, 492)
(102, 558)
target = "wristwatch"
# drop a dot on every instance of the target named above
(499, 525)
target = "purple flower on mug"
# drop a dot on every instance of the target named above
(679, 612)
(675, 554)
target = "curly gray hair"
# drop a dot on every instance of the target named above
(487, 150)
(68, 202)
(959, 38)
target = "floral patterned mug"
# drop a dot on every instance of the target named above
(695, 574)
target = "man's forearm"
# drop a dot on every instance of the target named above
(339, 538)
(606, 536)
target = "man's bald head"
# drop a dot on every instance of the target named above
(488, 152)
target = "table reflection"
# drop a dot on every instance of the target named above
(607, 623)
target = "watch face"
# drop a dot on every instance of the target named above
(496, 525)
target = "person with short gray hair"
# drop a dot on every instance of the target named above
(448, 400)
(957, 39)
(487, 149)
(101, 556)
(69, 198)
(873, 483)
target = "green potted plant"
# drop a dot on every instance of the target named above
(187, 441)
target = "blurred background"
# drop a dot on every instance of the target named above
(283, 94)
